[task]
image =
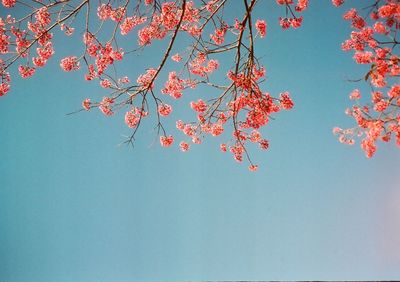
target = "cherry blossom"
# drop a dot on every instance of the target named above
(69, 63)
(164, 110)
(374, 45)
(253, 167)
(233, 102)
(184, 146)
(105, 106)
(86, 104)
(261, 27)
(176, 58)
(166, 141)
(337, 3)
(4, 88)
(26, 71)
(8, 3)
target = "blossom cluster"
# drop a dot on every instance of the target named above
(241, 109)
(374, 44)
(291, 20)
(249, 112)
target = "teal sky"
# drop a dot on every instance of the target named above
(75, 206)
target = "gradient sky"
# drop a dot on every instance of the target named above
(75, 206)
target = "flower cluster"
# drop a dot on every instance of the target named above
(201, 67)
(130, 23)
(105, 106)
(166, 141)
(261, 27)
(22, 38)
(164, 110)
(174, 86)
(239, 112)
(69, 63)
(248, 113)
(146, 80)
(103, 56)
(219, 35)
(8, 3)
(291, 20)
(134, 116)
(373, 42)
(105, 12)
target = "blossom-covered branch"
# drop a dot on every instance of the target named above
(239, 107)
(374, 41)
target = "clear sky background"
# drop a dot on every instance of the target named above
(75, 206)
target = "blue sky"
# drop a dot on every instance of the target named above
(75, 206)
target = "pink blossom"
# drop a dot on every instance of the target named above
(212, 65)
(42, 16)
(337, 3)
(174, 86)
(164, 110)
(238, 25)
(196, 140)
(363, 57)
(104, 11)
(8, 3)
(86, 104)
(217, 129)
(180, 125)
(218, 36)
(105, 83)
(381, 106)
(199, 106)
(69, 63)
(284, 23)
(350, 14)
(264, 144)
(26, 71)
(284, 2)
(394, 92)
(166, 141)
(296, 22)
(388, 10)
(118, 14)
(145, 79)
(301, 5)
(379, 27)
(184, 146)
(369, 147)
(105, 106)
(261, 27)
(255, 136)
(4, 43)
(130, 23)
(132, 119)
(336, 130)
(4, 88)
(223, 147)
(176, 58)
(285, 101)
(210, 6)
(258, 72)
(253, 167)
(355, 94)
(152, 31)
(124, 80)
(67, 30)
(92, 73)
(169, 15)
